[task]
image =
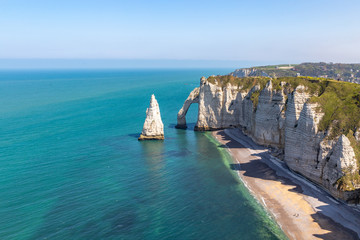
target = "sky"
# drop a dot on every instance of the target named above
(226, 32)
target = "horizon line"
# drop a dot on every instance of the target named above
(123, 63)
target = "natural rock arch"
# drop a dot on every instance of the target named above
(181, 116)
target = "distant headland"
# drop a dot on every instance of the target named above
(338, 71)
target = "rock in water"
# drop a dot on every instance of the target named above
(153, 126)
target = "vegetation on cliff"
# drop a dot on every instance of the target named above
(338, 71)
(313, 84)
(351, 179)
(339, 101)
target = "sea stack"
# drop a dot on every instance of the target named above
(153, 126)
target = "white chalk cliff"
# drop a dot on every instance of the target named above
(153, 126)
(285, 120)
(193, 98)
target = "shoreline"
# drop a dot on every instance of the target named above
(301, 209)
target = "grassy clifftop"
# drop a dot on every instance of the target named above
(339, 101)
(338, 71)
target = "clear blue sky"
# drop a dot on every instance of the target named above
(257, 30)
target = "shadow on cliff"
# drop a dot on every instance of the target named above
(337, 231)
(234, 144)
(255, 167)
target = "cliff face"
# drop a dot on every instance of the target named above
(193, 98)
(249, 72)
(153, 128)
(218, 106)
(285, 119)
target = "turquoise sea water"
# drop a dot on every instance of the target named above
(71, 166)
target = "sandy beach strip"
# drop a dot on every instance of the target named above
(303, 210)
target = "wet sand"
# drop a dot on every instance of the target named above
(302, 210)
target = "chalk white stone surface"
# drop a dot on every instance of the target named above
(153, 126)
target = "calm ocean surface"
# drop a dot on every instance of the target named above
(71, 166)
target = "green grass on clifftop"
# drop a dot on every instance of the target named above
(338, 101)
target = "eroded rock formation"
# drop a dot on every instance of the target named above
(218, 106)
(153, 126)
(281, 118)
(181, 116)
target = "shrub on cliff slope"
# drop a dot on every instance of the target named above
(339, 101)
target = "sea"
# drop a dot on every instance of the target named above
(71, 166)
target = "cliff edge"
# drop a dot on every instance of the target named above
(312, 123)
